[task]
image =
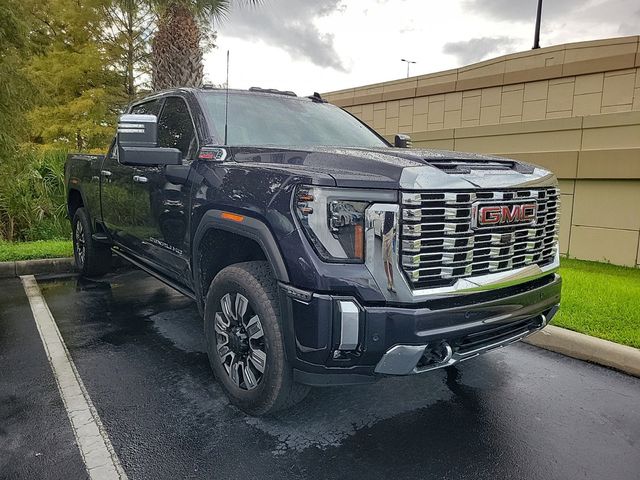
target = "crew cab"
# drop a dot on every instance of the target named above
(317, 252)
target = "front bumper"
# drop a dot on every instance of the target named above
(410, 359)
(397, 340)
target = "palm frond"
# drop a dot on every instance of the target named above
(205, 9)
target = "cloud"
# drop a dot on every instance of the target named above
(631, 26)
(612, 12)
(289, 25)
(521, 10)
(476, 49)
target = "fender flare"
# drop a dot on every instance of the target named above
(82, 197)
(85, 205)
(251, 228)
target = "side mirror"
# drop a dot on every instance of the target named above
(402, 141)
(138, 130)
(138, 143)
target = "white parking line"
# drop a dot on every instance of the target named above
(97, 452)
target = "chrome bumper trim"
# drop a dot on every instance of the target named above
(403, 359)
(349, 325)
(400, 360)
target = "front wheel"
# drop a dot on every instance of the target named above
(244, 340)
(92, 259)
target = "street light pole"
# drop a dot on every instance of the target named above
(409, 62)
(536, 38)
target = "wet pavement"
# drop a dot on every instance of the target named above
(519, 412)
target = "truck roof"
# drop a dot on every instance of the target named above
(251, 91)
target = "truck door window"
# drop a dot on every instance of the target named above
(147, 108)
(175, 128)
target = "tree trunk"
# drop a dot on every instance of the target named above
(130, 85)
(79, 141)
(176, 50)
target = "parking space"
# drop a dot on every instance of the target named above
(519, 412)
(36, 440)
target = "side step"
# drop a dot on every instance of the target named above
(151, 271)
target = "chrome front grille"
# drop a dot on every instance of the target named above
(439, 243)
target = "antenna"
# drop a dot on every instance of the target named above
(536, 36)
(226, 105)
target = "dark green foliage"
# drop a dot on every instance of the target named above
(67, 69)
(127, 42)
(15, 91)
(81, 93)
(32, 196)
(59, 91)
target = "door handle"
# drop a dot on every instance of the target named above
(105, 173)
(139, 179)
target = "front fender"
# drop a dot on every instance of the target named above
(249, 227)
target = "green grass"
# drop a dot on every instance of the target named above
(601, 300)
(33, 250)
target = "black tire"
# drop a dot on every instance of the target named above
(92, 258)
(275, 388)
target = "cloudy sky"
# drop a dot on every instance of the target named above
(324, 45)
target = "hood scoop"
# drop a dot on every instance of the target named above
(467, 166)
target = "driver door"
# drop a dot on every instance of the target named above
(125, 205)
(162, 223)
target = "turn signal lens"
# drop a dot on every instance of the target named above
(232, 216)
(305, 197)
(358, 242)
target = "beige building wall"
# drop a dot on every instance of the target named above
(573, 108)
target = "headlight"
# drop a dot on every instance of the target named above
(333, 221)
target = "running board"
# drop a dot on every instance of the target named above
(183, 290)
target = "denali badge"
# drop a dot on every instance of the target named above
(496, 215)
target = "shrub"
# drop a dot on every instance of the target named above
(32, 195)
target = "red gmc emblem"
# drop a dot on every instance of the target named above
(491, 215)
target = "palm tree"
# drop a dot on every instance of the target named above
(176, 50)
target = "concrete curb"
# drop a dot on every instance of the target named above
(36, 267)
(591, 349)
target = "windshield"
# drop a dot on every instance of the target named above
(278, 120)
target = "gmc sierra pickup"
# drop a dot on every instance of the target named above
(317, 253)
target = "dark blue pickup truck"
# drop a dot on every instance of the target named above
(318, 253)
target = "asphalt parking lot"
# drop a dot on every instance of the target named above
(517, 413)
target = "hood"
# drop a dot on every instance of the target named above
(407, 169)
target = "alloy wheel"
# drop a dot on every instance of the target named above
(240, 341)
(81, 246)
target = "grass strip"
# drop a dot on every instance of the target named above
(35, 250)
(600, 300)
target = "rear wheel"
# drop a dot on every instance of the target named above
(244, 340)
(92, 259)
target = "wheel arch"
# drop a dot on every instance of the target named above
(75, 200)
(245, 240)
